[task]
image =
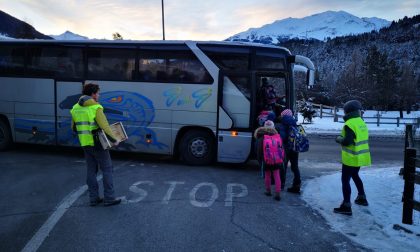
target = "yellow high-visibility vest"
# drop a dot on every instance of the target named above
(84, 119)
(357, 154)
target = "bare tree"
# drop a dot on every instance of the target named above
(350, 85)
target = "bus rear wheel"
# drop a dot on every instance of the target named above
(5, 136)
(197, 148)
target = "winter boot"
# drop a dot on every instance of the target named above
(268, 193)
(345, 208)
(361, 200)
(112, 202)
(294, 189)
(277, 196)
(95, 202)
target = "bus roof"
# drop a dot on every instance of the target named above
(137, 42)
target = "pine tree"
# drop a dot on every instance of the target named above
(407, 89)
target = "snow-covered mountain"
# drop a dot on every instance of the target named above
(318, 26)
(68, 36)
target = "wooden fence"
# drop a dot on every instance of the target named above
(411, 176)
(329, 111)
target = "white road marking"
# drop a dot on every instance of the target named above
(171, 189)
(208, 203)
(142, 193)
(45, 229)
(230, 194)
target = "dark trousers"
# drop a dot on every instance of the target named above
(96, 157)
(350, 172)
(292, 157)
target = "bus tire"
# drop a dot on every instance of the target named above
(197, 148)
(5, 136)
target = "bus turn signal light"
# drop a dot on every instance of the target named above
(234, 133)
(148, 138)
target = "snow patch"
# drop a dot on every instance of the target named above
(371, 226)
(4, 37)
(327, 124)
(68, 36)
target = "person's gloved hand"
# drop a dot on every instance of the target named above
(339, 139)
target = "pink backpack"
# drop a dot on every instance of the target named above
(273, 149)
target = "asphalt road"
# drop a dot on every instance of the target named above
(325, 155)
(167, 206)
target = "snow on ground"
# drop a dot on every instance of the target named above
(370, 226)
(4, 37)
(327, 124)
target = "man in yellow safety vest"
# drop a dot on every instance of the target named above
(87, 118)
(354, 140)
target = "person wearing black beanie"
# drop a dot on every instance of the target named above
(354, 140)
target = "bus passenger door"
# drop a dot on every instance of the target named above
(234, 136)
(281, 90)
(67, 94)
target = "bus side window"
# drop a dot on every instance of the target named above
(12, 59)
(161, 76)
(111, 64)
(172, 64)
(146, 75)
(181, 75)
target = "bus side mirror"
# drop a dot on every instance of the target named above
(306, 66)
(309, 80)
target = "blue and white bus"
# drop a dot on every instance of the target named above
(194, 100)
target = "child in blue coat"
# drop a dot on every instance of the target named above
(283, 124)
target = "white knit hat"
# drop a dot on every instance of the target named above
(269, 124)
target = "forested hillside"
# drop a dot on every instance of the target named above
(15, 28)
(381, 68)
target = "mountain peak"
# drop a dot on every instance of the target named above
(68, 35)
(320, 26)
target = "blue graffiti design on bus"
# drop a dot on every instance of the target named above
(134, 110)
(38, 131)
(175, 96)
(132, 107)
(201, 96)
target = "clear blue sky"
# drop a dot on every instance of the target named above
(185, 19)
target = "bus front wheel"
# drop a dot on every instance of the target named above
(5, 136)
(197, 148)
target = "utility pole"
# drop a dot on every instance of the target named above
(163, 21)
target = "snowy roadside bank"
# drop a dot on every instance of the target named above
(371, 226)
(327, 126)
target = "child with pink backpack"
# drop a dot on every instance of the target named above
(270, 155)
